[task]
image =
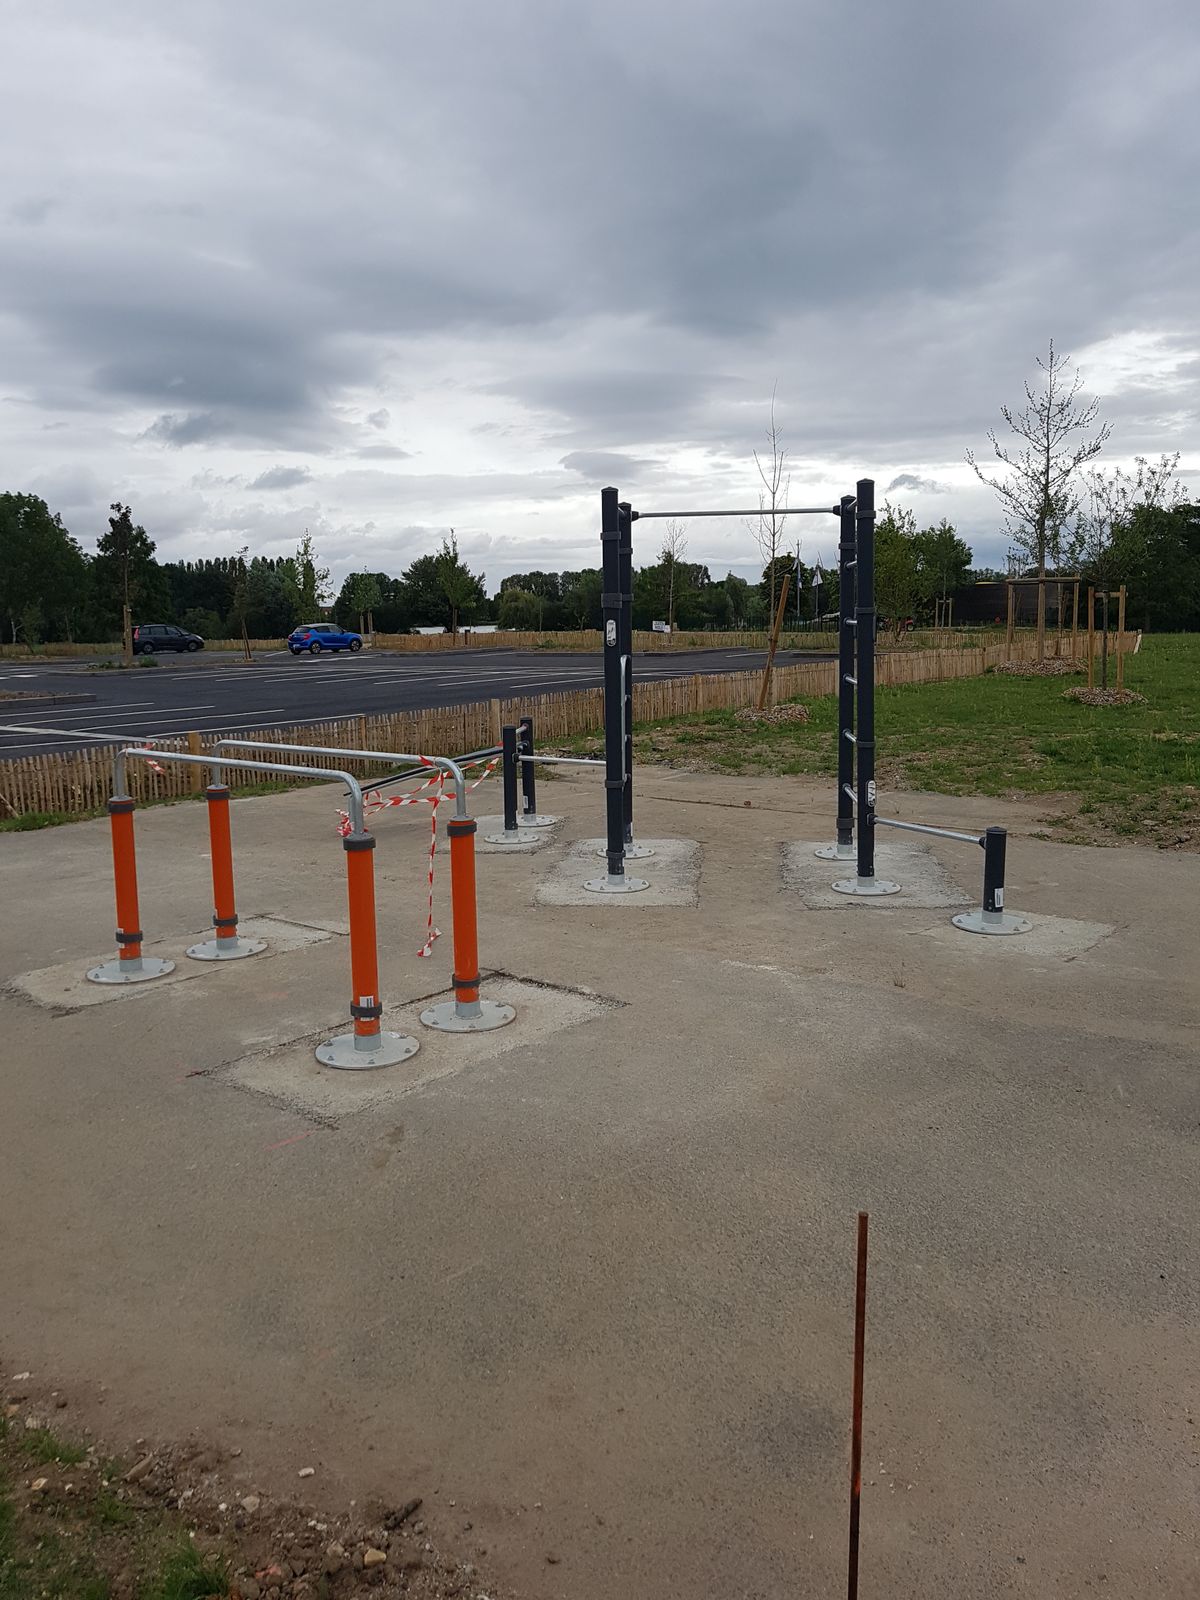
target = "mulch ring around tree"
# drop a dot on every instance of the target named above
(773, 715)
(1105, 697)
(1052, 668)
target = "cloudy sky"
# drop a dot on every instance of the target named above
(382, 269)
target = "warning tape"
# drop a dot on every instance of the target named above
(431, 794)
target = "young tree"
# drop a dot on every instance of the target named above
(1039, 492)
(126, 571)
(943, 561)
(312, 580)
(1105, 537)
(463, 591)
(674, 549)
(769, 525)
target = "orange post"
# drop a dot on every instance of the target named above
(124, 850)
(365, 1005)
(130, 966)
(463, 900)
(466, 1013)
(368, 1045)
(227, 945)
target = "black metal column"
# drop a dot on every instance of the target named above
(510, 746)
(626, 575)
(528, 770)
(846, 684)
(614, 689)
(864, 628)
(995, 848)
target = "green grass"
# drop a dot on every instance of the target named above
(1128, 772)
(70, 1547)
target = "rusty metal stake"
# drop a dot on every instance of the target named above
(860, 1334)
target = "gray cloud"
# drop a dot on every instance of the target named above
(593, 254)
(282, 478)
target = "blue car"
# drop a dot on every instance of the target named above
(317, 636)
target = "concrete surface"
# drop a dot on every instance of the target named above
(672, 874)
(924, 881)
(596, 1288)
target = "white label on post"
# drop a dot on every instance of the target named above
(871, 792)
(999, 899)
(610, 633)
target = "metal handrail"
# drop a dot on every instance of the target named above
(216, 763)
(443, 763)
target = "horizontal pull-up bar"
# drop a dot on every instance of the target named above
(923, 827)
(760, 511)
(564, 761)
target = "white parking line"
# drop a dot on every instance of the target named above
(99, 736)
(146, 708)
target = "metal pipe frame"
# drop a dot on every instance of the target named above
(216, 763)
(443, 763)
(473, 758)
(625, 568)
(924, 827)
(789, 511)
(564, 761)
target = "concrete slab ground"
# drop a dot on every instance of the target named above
(924, 881)
(590, 1288)
(671, 875)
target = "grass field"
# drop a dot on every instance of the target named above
(1109, 775)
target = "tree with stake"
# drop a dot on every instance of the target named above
(673, 551)
(768, 528)
(127, 569)
(1039, 493)
(313, 580)
(463, 591)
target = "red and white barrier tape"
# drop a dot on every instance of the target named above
(373, 801)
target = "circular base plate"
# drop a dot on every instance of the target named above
(867, 888)
(537, 821)
(513, 839)
(389, 1050)
(633, 852)
(111, 972)
(446, 1019)
(973, 922)
(833, 852)
(623, 885)
(226, 949)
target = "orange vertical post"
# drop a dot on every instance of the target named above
(227, 945)
(368, 1045)
(130, 966)
(466, 1013)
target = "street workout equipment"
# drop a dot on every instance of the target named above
(857, 818)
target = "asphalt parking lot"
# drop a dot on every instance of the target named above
(228, 695)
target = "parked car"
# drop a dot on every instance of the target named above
(149, 637)
(317, 636)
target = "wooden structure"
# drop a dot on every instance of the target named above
(1059, 580)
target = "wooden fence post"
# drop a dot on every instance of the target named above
(195, 774)
(1091, 636)
(1121, 637)
(1012, 621)
(494, 723)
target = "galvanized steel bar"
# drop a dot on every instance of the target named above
(789, 511)
(922, 827)
(353, 787)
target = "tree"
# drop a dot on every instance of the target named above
(42, 568)
(464, 592)
(357, 600)
(1105, 541)
(520, 610)
(943, 561)
(896, 566)
(738, 591)
(312, 580)
(127, 573)
(582, 598)
(674, 549)
(1039, 493)
(771, 585)
(768, 528)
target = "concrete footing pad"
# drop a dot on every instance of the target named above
(924, 882)
(673, 873)
(528, 840)
(290, 1075)
(65, 987)
(1049, 939)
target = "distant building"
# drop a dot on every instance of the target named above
(428, 631)
(987, 602)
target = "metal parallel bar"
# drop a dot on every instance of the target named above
(564, 761)
(923, 827)
(443, 763)
(215, 762)
(614, 688)
(864, 616)
(625, 551)
(473, 759)
(759, 511)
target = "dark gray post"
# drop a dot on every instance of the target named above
(864, 628)
(528, 770)
(865, 882)
(625, 549)
(612, 602)
(995, 847)
(846, 682)
(509, 746)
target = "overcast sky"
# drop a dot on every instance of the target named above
(382, 269)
